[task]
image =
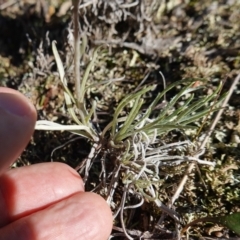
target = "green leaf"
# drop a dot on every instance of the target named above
(231, 221)
(69, 99)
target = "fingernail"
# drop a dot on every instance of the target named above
(14, 104)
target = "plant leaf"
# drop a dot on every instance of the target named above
(69, 99)
(231, 221)
(81, 130)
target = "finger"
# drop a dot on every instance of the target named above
(29, 189)
(17, 121)
(81, 216)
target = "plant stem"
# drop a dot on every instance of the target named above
(76, 4)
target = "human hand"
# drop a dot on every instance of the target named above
(42, 201)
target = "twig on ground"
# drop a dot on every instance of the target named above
(203, 144)
(76, 50)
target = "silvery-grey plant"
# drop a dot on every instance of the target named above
(135, 141)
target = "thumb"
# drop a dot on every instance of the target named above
(17, 121)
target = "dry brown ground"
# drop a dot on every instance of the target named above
(182, 39)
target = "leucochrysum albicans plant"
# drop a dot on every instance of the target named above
(135, 141)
